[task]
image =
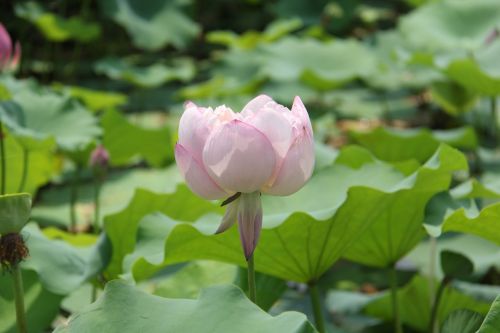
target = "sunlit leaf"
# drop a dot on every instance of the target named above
(311, 61)
(492, 321)
(397, 145)
(122, 227)
(62, 267)
(440, 24)
(415, 304)
(53, 207)
(334, 221)
(125, 309)
(126, 141)
(154, 24)
(181, 69)
(56, 28)
(41, 305)
(462, 321)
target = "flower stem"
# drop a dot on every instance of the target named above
(97, 206)
(398, 328)
(2, 159)
(74, 198)
(316, 305)
(252, 290)
(19, 299)
(433, 325)
(494, 120)
(25, 170)
(97, 226)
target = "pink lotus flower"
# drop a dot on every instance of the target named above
(266, 148)
(9, 59)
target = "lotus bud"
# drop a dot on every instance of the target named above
(264, 149)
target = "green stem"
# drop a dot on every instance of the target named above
(97, 226)
(2, 159)
(432, 267)
(494, 120)
(252, 291)
(25, 170)
(433, 324)
(74, 197)
(19, 299)
(93, 297)
(97, 206)
(316, 305)
(398, 328)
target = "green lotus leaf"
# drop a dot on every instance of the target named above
(398, 145)
(124, 309)
(15, 210)
(335, 221)
(154, 24)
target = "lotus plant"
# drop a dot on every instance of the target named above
(10, 54)
(264, 149)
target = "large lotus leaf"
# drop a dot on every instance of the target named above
(370, 104)
(121, 227)
(399, 145)
(440, 24)
(482, 253)
(62, 267)
(14, 212)
(47, 114)
(125, 141)
(38, 155)
(392, 72)
(335, 16)
(321, 65)
(400, 226)
(487, 187)
(452, 97)
(491, 323)
(154, 24)
(192, 278)
(275, 30)
(304, 234)
(483, 292)
(486, 224)
(194, 275)
(477, 72)
(468, 73)
(53, 206)
(462, 321)
(155, 75)
(219, 309)
(415, 304)
(56, 28)
(41, 305)
(96, 100)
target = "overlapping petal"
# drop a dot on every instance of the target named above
(239, 157)
(300, 112)
(276, 125)
(196, 177)
(252, 107)
(194, 128)
(296, 168)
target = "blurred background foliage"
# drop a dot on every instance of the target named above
(398, 78)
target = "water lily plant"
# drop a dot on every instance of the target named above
(264, 149)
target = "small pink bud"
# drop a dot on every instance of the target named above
(99, 158)
(9, 55)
